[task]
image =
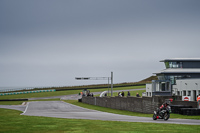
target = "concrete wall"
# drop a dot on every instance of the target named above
(134, 104)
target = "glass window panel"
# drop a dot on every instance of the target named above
(170, 64)
(174, 64)
(167, 64)
(181, 65)
(172, 79)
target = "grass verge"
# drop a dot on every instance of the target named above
(12, 121)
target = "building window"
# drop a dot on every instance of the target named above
(172, 79)
(161, 77)
(174, 64)
(167, 64)
(170, 65)
(180, 65)
(189, 93)
(184, 93)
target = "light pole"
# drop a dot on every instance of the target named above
(111, 84)
(99, 78)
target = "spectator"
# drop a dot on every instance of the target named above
(119, 94)
(122, 93)
(88, 93)
(129, 94)
(198, 98)
(137, 95)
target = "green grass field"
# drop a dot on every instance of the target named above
(12, 122)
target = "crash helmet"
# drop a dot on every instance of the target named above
(167, 103)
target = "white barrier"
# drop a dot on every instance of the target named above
(103, 94)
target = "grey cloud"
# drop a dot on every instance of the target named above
(51, 42)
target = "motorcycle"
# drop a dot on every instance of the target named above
(162, 114)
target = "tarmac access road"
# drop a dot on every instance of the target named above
(63, 97)
(15, 107)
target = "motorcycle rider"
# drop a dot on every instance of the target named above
(162, 107)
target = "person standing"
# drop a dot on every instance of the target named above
(198, 98)
(122, 93)
(119, 94)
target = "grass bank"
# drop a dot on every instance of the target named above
(12, 121)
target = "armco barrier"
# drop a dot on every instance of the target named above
(26, 92)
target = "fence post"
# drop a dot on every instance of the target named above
(95, 101)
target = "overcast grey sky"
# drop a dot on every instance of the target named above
(50, 42)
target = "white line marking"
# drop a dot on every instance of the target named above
(25, 109)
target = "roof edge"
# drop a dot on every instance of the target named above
(181, 59)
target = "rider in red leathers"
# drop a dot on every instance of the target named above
(163, 106)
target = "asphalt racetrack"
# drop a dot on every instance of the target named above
(60, 109)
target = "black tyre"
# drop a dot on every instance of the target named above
(166, 116)
(154, 117)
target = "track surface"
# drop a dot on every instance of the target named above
(61, 109)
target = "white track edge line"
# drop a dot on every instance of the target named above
(25, 109)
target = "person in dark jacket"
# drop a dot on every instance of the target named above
(122, 93)
(137, 95)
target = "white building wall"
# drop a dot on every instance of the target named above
(149, 89)
(183, 87)
(187, 87)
